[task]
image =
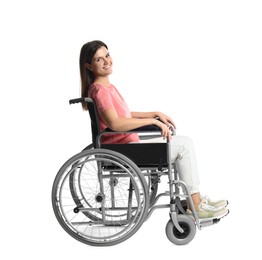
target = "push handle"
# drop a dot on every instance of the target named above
(76, 100)
(80, 100)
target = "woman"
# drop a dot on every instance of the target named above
(95, 68)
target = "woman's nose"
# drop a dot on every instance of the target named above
(106, 60)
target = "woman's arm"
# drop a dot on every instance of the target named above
(144, 114)
(115, 123)
(164, 118)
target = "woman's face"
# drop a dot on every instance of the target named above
(101, 65)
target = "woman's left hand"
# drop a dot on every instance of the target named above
(166, 119)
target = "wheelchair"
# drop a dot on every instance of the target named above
(102, 195)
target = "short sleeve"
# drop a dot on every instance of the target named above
(103, 99)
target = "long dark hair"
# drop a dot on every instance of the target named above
(87, 53)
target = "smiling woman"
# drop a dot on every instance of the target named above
(95, 69)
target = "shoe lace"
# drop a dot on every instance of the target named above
(207, 207)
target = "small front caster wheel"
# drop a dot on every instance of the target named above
(175, 236)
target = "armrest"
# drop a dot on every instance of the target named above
(148, 128)
(145, 132)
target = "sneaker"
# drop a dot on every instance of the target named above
(218, 204)
(207, 212)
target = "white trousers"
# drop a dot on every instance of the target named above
(183, 155)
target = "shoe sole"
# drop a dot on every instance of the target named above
(214, 219)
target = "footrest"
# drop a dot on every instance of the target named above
(206, 223)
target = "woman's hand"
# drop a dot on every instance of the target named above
(165, 126)
(165, 119)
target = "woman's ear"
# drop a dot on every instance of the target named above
(88, 66)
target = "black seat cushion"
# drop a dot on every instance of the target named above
(142, 154)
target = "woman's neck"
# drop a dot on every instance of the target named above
(102, 80)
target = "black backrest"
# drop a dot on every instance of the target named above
(95, 125)
(93, 113)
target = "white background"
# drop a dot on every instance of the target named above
(198, 61)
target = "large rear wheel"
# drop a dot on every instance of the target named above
(100, 197)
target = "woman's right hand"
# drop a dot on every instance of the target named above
(165, 130)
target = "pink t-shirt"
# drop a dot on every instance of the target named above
(108, 97)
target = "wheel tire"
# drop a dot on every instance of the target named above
(118, 224)
(175, 236)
